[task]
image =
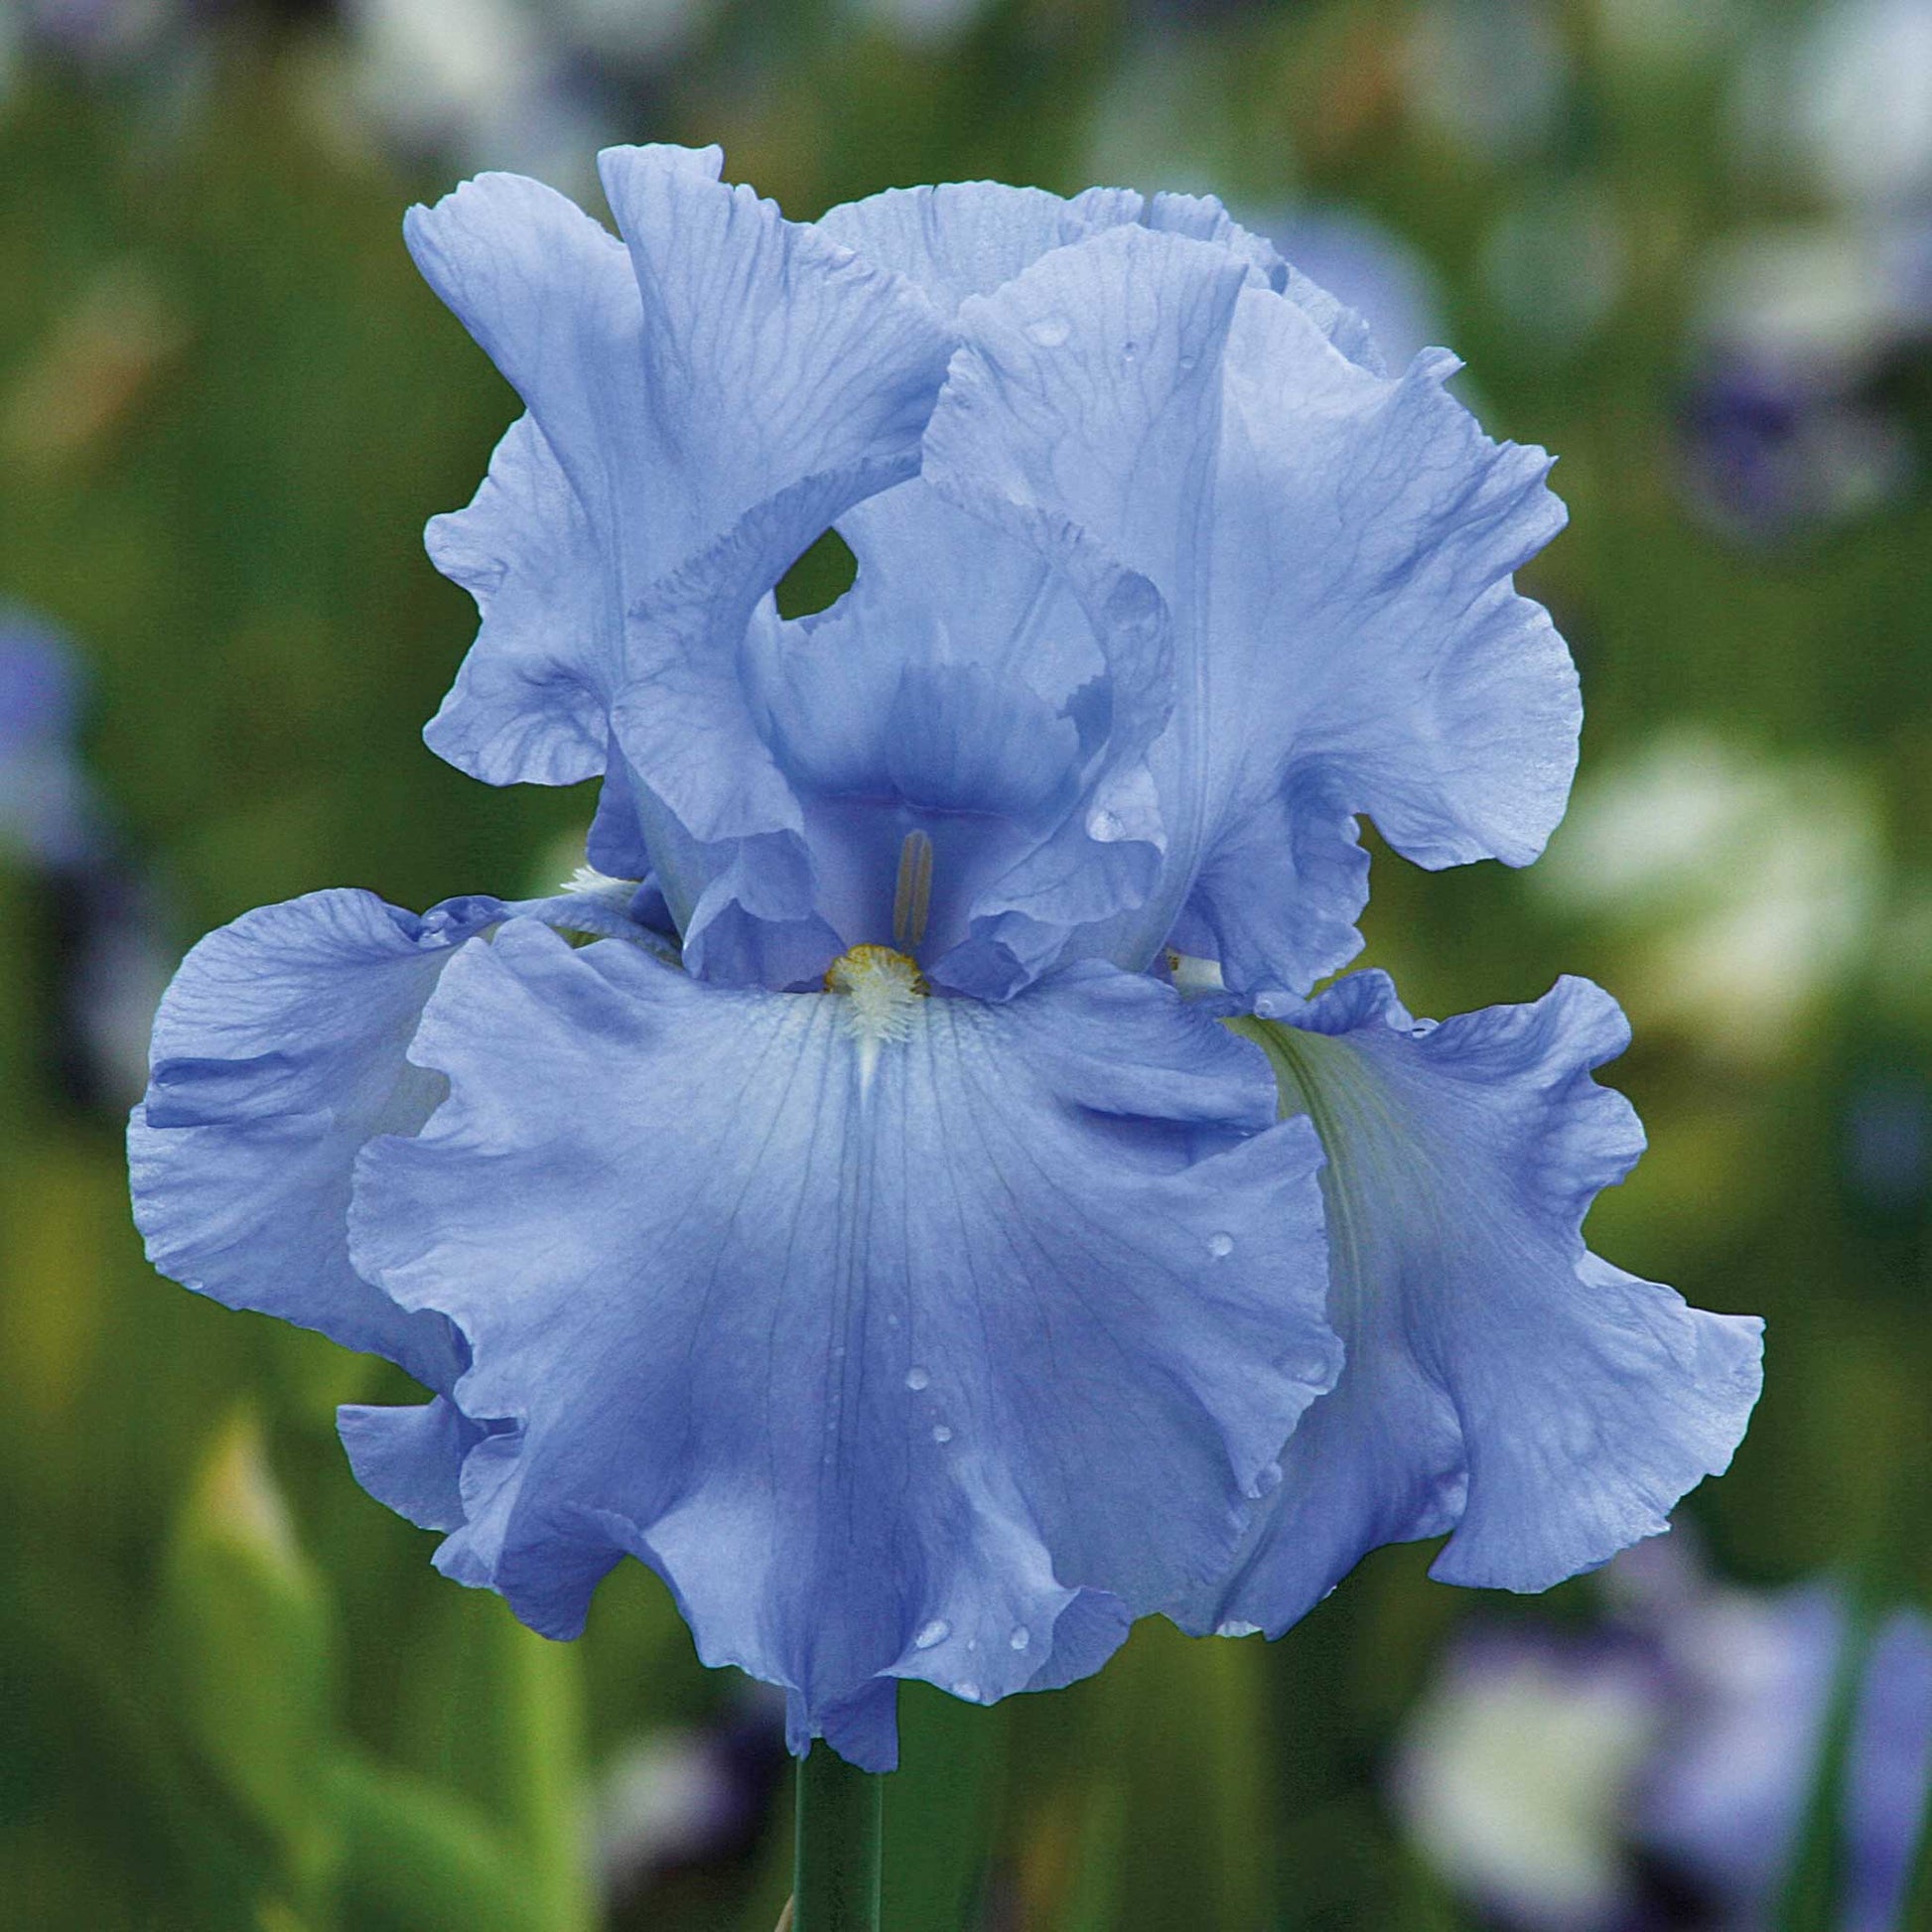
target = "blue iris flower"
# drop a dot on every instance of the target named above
(869, 1229)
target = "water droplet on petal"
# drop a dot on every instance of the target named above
(1128, 350)
(1220, 1246)
(1234, 1627)
(1105, 826)
(940, 1433)
(1049, 332)
(916, 1378)
(1020, 1637)
(967, 1688)
(938, 1631)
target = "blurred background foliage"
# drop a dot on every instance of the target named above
(1687, 247)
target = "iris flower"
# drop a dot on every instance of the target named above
(869, 1227)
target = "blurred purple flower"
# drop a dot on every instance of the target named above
(1652, 1771)
(48, 812)
(108, 962)
(1723, 1798)
(689, 1796)
(1787, 421)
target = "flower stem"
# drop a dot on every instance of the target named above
(835, 1870)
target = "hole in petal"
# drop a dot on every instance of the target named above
(820, 577)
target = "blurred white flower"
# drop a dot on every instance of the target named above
(920, 23)
(1513, 1774)
(477, 84)
(1819, 296)
(1840, 99)
(1687, 1725)
(660, 1804)
(685, 1796)
(1745, 886)
(1791, 335)
(1863, 108)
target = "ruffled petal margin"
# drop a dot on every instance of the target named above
(704, 396)
(279, 1049)
(1502, 1382)
(1334, 549)
(941, 1357)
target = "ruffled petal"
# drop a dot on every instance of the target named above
(550, 297)
(1089, 390)
(936, 1355)
(704, 397)
(1204, 218)
(962, 240)
(1334, 549)
(967, 237)
(410, 1460)
(530, 701)
(1502, 1381)
(1369, 649)
(278, 1051)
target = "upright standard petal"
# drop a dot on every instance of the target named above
(961, 238)
(904, 1336)
(1334, 549)
(716, 385)
(1502, 1381)
(964, 238)
(550, 297)
(1203, 218)
(946, 595)
(996, 710)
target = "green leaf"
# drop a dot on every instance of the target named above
(495, 1713)
(246, 1642)
(1139, 1798)
(418, 1858)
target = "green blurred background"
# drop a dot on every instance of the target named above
(1684, 247)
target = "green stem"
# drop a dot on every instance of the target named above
(835, 1881)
